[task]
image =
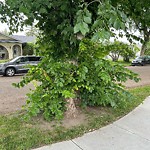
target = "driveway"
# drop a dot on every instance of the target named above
(11, 98)
(144, 74)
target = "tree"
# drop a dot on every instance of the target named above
(147, 52)
(72, 70)
(118, 49)
(138, 14)
(115, 50)
(29, 49)
(129, 51)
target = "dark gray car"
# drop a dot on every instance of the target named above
(142, 60)
(18, 65)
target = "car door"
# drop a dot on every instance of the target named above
(21, 65)
(146, 60)
(33, 60)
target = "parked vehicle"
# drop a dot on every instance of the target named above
(142, 60)
(18, 65)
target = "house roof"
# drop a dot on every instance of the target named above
(16, 39)
(8, 39)
(24, 39)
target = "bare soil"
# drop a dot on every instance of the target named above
(11, 98)
(144, 74)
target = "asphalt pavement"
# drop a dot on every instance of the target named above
(132, 132)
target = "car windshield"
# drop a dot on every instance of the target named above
(141, 57)
(14, 59)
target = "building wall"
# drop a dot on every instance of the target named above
(9, 44)
(3, 37)
(9, 48)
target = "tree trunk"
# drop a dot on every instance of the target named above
(71, 111)
(126, 59)
(143, 48)
(146, 40)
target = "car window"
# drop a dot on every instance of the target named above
(14, 59)
(141, 57)
(39, 58)
(34, 58)
(22, 60)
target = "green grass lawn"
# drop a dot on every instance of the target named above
(124, 63)
(17, 134)
(121, 62)
(2, 61)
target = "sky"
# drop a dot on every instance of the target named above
(4, 26)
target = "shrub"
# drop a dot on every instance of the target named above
(89, 78)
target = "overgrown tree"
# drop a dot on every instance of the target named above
(138, 18)
(70, 71)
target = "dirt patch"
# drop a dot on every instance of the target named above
(82, 119)
(12, 99)
(67, 123)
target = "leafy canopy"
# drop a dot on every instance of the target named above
(64, 18)
(138, 18)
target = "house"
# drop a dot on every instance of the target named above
(11, 46)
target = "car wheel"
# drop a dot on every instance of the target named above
(10, 72)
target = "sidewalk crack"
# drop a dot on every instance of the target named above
(132, 132)
(77, 145)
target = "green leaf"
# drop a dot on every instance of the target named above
(96, 24)
(85, 69)
(23, 9)
(112, 19)
(42, 10)
(101, 35)
(84, 28)
(63, 7)
(87, 20)
(117, 24)
(77, 28)
(67, 94)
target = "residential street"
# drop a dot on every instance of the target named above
(11, 98)
(144, 73)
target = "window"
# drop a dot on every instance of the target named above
(34, 58)
(22, 60)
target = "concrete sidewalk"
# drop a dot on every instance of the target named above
(132, 132)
